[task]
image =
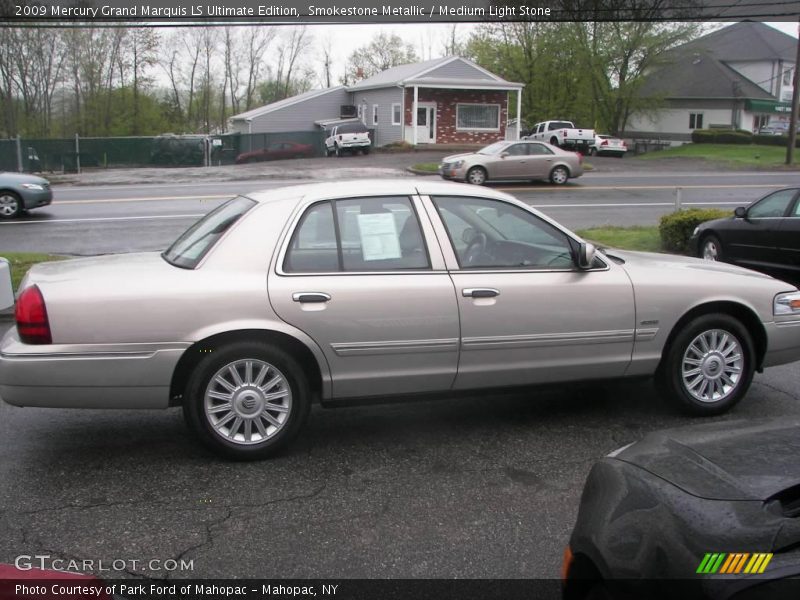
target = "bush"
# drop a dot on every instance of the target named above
(704, 136)
(675, 229)
(733, 137)
(774, 140)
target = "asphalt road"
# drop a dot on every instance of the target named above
(126, 218)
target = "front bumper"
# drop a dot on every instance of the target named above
(35, 199)
(783, 342)
(451, 173)
(90, 376)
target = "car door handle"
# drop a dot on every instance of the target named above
(480, 292)
(311, 297)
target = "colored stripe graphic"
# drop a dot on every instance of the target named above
(733, 563)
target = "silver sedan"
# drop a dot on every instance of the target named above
(20, 192)
(371, 289)
(523, 160)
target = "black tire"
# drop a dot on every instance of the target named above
(593, 151)
(711, 248)
(674, 377)
(477, 176)
(295, 406)
(10, 205)
(366, 150)
(559, 175)
(554, 141)
(336, 150)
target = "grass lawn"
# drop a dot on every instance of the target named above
(22, 261)
(751, 155)
(427, 167)
(624, 238)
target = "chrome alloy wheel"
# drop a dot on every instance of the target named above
(9, 205)
(559, 176)
(712, 366)
(248, 401)
(710, 250)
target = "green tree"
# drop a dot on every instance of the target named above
(384, 51)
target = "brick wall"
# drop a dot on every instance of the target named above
(446, 101)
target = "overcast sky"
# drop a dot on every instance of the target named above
(427, 39)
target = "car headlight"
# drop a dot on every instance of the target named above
(33, 186)
(458, 164)
(787, 304)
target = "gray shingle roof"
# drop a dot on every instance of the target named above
(267, 108)
(747, 40)
(399, 73)
(698, 68)
(700, 75)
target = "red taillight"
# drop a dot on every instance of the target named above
(31, 316)
(604, 143)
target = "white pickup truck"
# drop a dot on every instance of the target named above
(348, 137)
(562, 134)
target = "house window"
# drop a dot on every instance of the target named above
(396, 114)
(374, 114)
(787, 76)
(695, 120)
(478, 116)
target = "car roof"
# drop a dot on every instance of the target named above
(379, 187)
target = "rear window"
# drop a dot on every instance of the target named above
(352, 128)
(190, 248)
(559, 125)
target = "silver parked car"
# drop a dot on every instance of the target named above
(20, 192)
(523, 160)
(370, 289)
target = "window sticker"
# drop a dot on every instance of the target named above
(379, 239)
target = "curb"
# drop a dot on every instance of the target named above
(418, 172)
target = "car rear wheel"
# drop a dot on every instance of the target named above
(247, 401)
(10, 205)
(709, 365)
(476, 175)
(337, 151)
(554, 141)
(559, 175)
(593, 151)
(711, 248)
(365, 150)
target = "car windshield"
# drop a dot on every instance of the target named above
(352, 128)
(189, 249)
(495, 148)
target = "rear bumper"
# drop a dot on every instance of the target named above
(58, 376)
(783, 343)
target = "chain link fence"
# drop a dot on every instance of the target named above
(73, 155)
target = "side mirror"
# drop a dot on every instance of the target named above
(504, 154)
(740, 212)
(6, 289)
(586, 253)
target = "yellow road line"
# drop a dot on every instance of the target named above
(145, 199)
(588, 188)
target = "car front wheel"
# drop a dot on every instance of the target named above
(10, 205)
(711, 248)
(559, 175)
(247, 401)
(476, 175)
(709, 365)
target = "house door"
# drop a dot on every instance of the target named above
(426, 123)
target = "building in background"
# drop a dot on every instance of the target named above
(738, 77)
(447, 100)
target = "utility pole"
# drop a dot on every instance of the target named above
(795, 97)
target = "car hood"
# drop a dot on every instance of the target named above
(16, 178)
(739, 460)
(653, 262)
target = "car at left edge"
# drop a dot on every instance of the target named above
(20, 192)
